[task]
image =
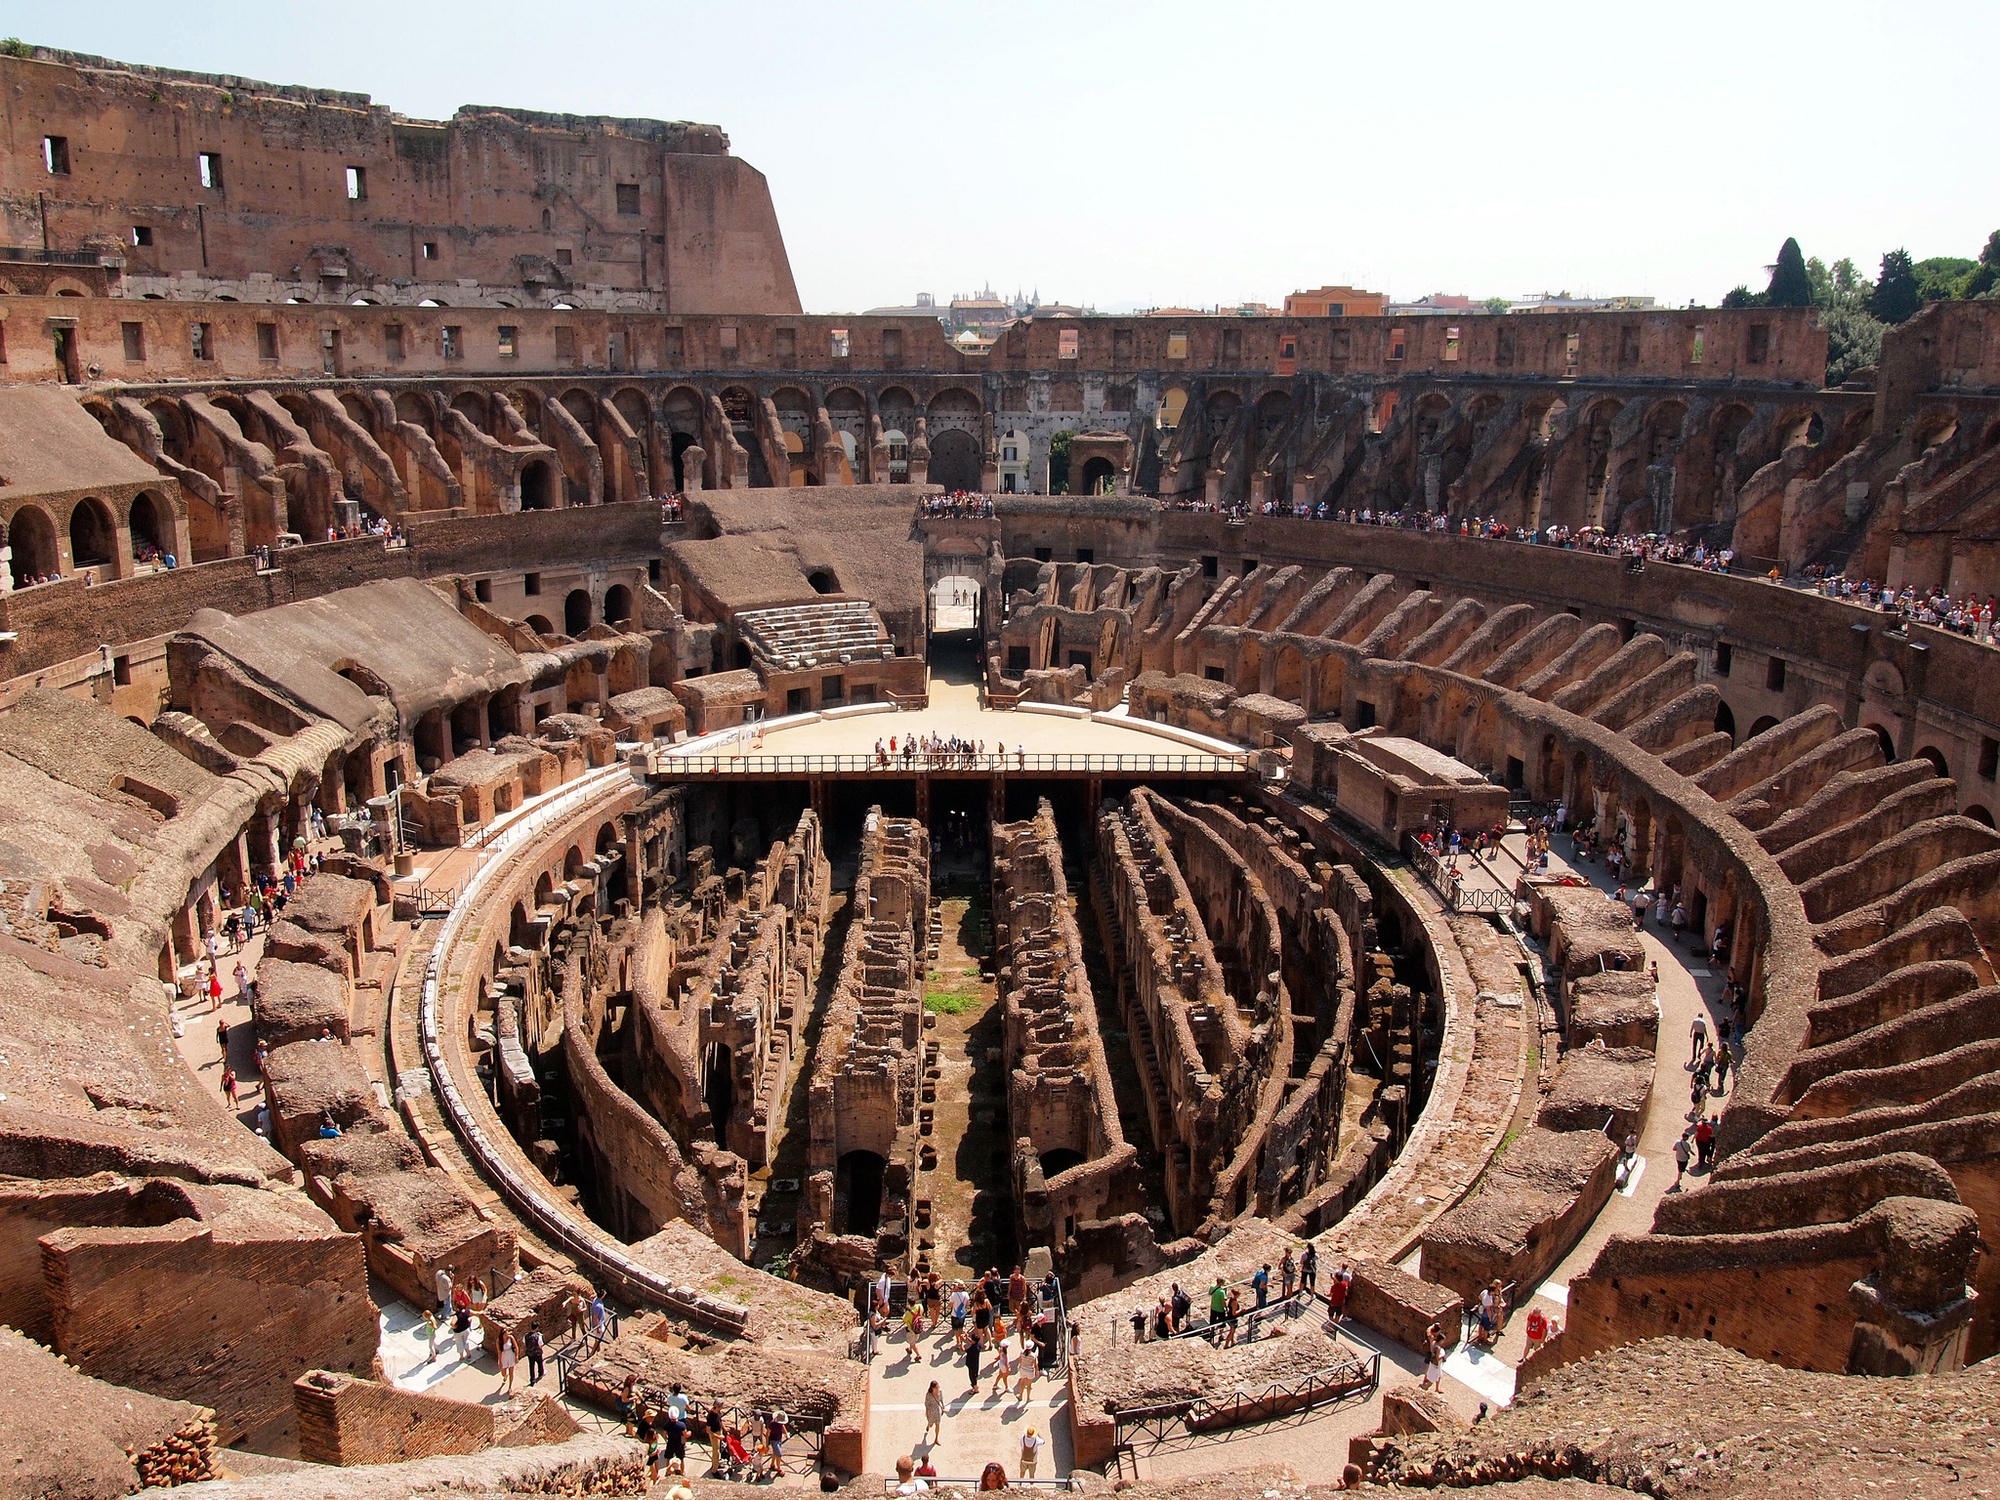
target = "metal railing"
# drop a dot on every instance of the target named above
(1458, 894)
(765, 763)
(1216, 1413)
(949, 1481)
(1248, 1313)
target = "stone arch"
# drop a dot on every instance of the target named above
(1097, 477)
(475, 408)
(1768, 722)
(1979, 814)
(151, 523)
(576, 612)
(1882, 733)
(1935, 756)
(955, 459)
(1725, 721)
(954, 408)
(93, 536)
(32, 535)
(540, 624)
(617, 604)
(582, 405)
(537, 485)
(416, 409)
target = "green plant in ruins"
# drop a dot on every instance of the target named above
(1790, 286)
(13, 46)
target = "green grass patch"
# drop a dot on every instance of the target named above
(952, 1002)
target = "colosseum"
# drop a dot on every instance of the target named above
(570, 852)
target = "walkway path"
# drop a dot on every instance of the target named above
(979, 1428)
(1687, 987)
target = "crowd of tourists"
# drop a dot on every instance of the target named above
(1961, 614)
(673, 510)
(959, 504)
(941, 750)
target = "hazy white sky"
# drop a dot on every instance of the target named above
(1173, 152)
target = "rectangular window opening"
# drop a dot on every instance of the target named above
(1774, 674)
(357, 184)
(448, 342)
(55, 155)
(1989, 758)
(1758, 350)
(1723, 655)
(430, 250)
(392, 341)
(135, 342)
(209, 165)
(199, 342)
(531, 583)
(628, 200)
(142, 234)
(482, 590)
(509, 340)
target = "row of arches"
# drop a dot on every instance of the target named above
(108, 537)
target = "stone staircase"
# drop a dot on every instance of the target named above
(816, 635)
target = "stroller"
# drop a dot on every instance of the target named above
(736, 1460)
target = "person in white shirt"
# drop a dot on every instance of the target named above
(906, 1481)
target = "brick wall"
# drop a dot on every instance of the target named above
(342, 1420)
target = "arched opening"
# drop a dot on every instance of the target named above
(718, 1087)
(33, 537)
(536, 485)
(955, 460)
(540, 624)
(857, 1192)
(1979, 814)
(1055, 1163)
(1935, 756)
(899, 455)
(93, 537)
(682, 441)
(151, 531)
(955, 606)
(1888, 741)
(576, 612)
(823, 581)
(1767, 722)
(617, 604)
(1725, 722)
(1099, 477)
(1171, 407)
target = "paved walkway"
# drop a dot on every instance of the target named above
(1687, 986)
(979, 1427)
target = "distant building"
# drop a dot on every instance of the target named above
(1433, 305)
(984, 312)
(1559, 303)
(1336, 302)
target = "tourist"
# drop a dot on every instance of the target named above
(229, 1085)
(1681, 1156)
(461, 1327)
(1232, 1308)
(1538, 1328)
(1031, 1452)
(775, 1430)
(972, 1360)
(1025, 1371)
(1163, 1319)
(934, 1414)
(677, 1486)
(1697, 1037)
(712, 1424)
(673, 1428)
(926, 1469)
(993, 1477)
(1704, 1143)
(1433, 1360)
(1017, 1292)
(1350, 1476)
(1003, 1367)
(431, 1331)
(1309, 1267)
(1288, 1274)
(509, 1356)
(1337, 1293)
(441, 1285)
(1218, 1302)
(960, 1302)
(536, 1350)
(1180, 1304)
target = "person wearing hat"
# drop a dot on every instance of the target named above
(1031, 1452)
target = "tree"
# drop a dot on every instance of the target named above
(1853, 341)
(1790, 286)
(1942, 277)
(1985, 277)
(1895, 296)
(1741, 296)
(1059, 463)
(1496, 304)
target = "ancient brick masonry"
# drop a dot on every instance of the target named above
(1071, 1162)
(864, 1089)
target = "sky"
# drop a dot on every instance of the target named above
(1172, 153)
